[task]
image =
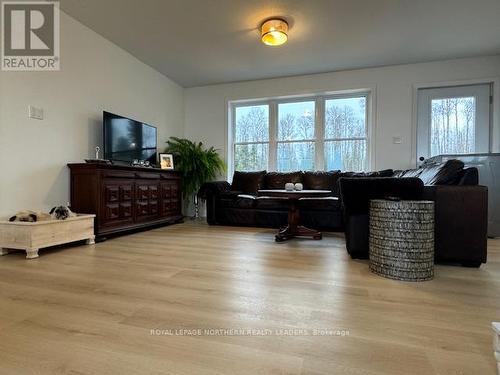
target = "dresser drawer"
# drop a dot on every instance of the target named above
(111, 193)
(153, 191)
(142, 192)
(142, 208)
(126, 192)
(112, 211)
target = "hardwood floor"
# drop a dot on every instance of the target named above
(91, 309)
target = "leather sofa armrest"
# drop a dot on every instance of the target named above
(356, 194)
(461, 222)
(213, 188)
(209, 192)
(473, 195)
(470, 176)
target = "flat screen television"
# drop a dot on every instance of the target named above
(127, 140)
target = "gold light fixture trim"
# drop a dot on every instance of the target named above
(274, 32)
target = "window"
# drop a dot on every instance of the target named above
(345, 134)
(314, 133)
(251, 138)
(452, 125)
(453, 120)
(295, 141)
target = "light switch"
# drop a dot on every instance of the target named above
(35, 113)
(397, 140)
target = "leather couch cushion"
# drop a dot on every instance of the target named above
(469, 176)
(230, 194)
(385, 173)
(448, 173)
(248, 182)
(320, 180)
(412, 172)
(277, 180)
(357, 193)
(382, 173)
(234, 199)
(271, 203)
(213, 188)
(398, 174)
(320, 204)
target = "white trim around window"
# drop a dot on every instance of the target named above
(495, 109)
(318, 140)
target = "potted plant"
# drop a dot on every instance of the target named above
(196, 164)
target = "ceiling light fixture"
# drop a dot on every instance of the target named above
(274, 32)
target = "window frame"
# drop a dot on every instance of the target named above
(277, 103)
(319, 123)
(366, 138)
(233, 144)
(422, 122)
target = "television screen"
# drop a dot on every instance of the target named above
(126, 139)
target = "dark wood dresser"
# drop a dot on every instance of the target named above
(125, 198)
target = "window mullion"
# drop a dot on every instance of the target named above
(251, 143)
(346, 139)
(232, 138)
(319, 124)
(296, 141)
(273, 129)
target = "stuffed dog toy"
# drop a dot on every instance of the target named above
(57, 213)
(61, 212)
(30, 216)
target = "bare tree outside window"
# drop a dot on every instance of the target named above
(453, 126)
(296, 143)
(251, 146)
(345, 134)
(290, 138)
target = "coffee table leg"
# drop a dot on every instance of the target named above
(293, 229)
(283, 234)
(307, 232)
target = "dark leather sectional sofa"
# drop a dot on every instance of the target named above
(460, 204)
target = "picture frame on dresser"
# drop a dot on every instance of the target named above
(166, 161)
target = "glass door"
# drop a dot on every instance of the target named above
(453, 120)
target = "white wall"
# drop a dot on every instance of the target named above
(95, 75)
(206, 107)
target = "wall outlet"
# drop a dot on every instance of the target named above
(397, 140)
(35, 113)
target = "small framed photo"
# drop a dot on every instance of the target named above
(166, 161)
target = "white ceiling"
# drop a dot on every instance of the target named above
(201, 42)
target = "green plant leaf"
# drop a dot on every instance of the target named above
(196, 164)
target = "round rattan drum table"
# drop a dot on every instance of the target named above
(402, 239)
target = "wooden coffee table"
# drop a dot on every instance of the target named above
(293, 229)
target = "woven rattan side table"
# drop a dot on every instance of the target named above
(402, 239)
